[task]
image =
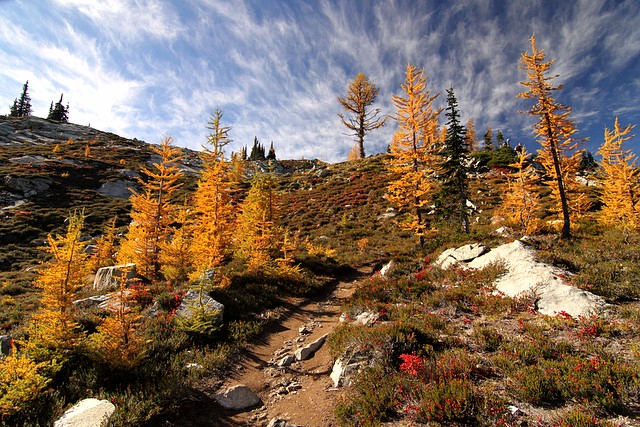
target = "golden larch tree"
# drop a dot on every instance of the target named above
(152, 212)
(117, 342)
(105, 249)
(470, 137)
(555, 131)
(620, 180)
(256, 231)
(520, 201)
(53, 330)
(361, 94)
(412, 151)
(176, 252)
(214, 211)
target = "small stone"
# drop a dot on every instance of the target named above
(307, 351)
(238, 397)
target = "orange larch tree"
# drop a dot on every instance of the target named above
(214, 211)
(413, 149)
(620, 180)
(152, 212)
(53, 330)
(555, 132)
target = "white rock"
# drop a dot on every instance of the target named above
(308, 350)
(365, 318)
(525, 274)
(286, 360)
(87, 413)
(384, 271)
(91, 301)
(342, 371)
(107, 277)
(238, 397)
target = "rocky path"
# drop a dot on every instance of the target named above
(300, 394)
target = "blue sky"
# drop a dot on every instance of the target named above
(146, 68)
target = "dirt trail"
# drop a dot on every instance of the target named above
(302, 393)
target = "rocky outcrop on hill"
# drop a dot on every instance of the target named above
(526, 275)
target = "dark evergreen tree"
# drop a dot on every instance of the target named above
(14, 109)
(272, 152)
(454, 168)
(500, 139)
(488, 140)
(587, 162)
(58, 111)
(257, 151)
(243, 153)
(22, 106)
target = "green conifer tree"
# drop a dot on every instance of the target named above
(454, 170)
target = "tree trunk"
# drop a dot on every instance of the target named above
(566, 226)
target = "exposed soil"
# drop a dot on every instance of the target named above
(302, 393)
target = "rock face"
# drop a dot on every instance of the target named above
(192, 299)
(119, 189)
(308, 350)
(526, 275)
(237, 398)
(87, 413)
(107, 277)
(453, 256)
(29, 187)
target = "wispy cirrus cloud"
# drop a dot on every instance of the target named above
(143, 68)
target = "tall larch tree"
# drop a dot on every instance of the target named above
(554, 131)
(412, 151)
(620, 180)
(53, 330)
(257, 236)
(214, 211)
(520, 201)
(361, 119)
(470, 137)
(453, 172)
(152, 212)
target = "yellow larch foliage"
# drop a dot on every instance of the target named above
(470, 137)
(620, 180)
(354, 154)
(257, 234)
(21, 383)
(521, 202)
(214, 211)
(117, 343)
(413, 150)
(176, 255)
(152, 212)
(53, 330)
(105, 248)
(559, 152)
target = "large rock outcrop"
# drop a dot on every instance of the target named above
(527, 275)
